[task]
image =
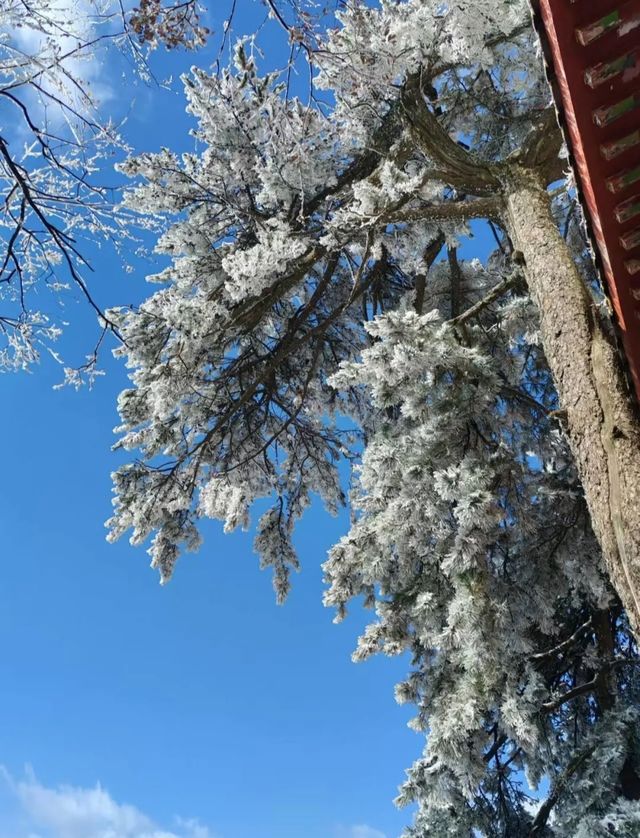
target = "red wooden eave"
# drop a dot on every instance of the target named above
(593, 54)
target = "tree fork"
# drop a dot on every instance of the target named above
(601, 424)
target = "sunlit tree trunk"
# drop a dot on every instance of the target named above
(600, 420)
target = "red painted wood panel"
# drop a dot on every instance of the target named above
(595, 52)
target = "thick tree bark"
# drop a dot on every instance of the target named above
(602, 428)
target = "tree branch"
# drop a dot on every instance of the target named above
(559, 786)
(493, 295)
(462, 170)
(445, 211)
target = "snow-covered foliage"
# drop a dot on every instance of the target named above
(306, 318)
(56, 139)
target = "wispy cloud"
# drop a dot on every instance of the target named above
(361, 830)
(75, 812)
(71, 44)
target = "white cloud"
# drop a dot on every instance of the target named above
(359, 831)
(74, 812)
(79, 32)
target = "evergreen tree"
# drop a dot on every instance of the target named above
(316, 308)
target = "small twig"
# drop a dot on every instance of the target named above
(544, 811)
(565, 643)
(496, 292)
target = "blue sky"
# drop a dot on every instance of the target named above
(201, 700)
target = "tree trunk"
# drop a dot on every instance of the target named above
(601, 424)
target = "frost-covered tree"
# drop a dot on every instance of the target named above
(316, 309)
(54, 139)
